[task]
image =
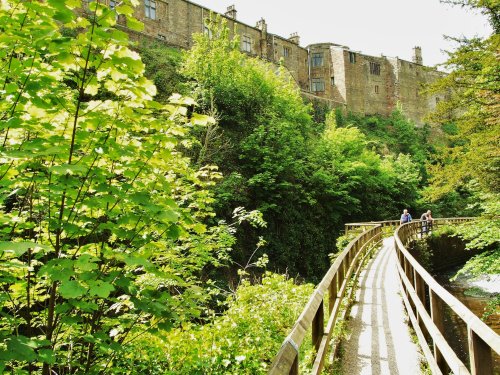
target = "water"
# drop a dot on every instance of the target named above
(455, 328)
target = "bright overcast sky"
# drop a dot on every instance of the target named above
(388, 27)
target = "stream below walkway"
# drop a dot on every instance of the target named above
(479, 297)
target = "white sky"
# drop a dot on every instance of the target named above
(388, 27)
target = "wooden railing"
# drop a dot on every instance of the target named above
(345, 268)
(386, 225)
(425, 301)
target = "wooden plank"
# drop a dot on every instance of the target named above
(286, 362)
(322, 350)
(338, 275)
(480, 355)
(420, 291)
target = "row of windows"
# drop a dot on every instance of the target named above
(317, 58)
(318, 85)
(246, 46)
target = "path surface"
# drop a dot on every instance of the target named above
(379, 341)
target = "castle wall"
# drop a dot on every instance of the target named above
(369, 83)
(176, 21)
(363, 84)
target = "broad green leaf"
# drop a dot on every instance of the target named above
(47, 356)
(134, 25)
(71, 289)
(19, 248)
(125, 9)
(58, 269)
(168, 216)
(100, 288)
(21, 348)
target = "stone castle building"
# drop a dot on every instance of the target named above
(326, 72)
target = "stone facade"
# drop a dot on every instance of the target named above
(372, 85)
(328, 72)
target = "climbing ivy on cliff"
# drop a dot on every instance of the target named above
(102, 219)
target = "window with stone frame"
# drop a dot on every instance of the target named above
(150, 9)
(332, 81)
(374, 68)
(376, 89)
(317, 59)
(286, 51)
(352, 57)
(246, 43)
(317, 85)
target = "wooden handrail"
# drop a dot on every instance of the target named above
(346, 267)
(419, 287)
(384, 223)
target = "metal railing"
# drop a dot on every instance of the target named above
(345, 268)
(425, 301)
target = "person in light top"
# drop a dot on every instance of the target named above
(405, 217)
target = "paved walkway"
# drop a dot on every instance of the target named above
(379, 341)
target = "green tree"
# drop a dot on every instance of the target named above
(471, 161)
(101, 217)
(260, 143)
(473, 86)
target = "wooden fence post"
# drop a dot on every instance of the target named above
(420, 290)
(479, 354)
(437, 314)
(332, 293)
(318, 326)
(295, 367)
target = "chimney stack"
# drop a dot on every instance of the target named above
(294, 38)
(262, 25)
(231, 12)
(417, 55)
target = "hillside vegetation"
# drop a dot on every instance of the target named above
(154, 205)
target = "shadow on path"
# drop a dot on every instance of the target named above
(379, 342)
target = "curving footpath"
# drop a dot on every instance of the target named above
(379, 341)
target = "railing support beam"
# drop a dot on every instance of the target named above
(332, 293)
(318, 326)
(480, 355)
(437, 315)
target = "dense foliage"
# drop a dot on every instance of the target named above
(102, 220)
(116, 209)
(242, 341)
(469, 164)
(307, 178)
